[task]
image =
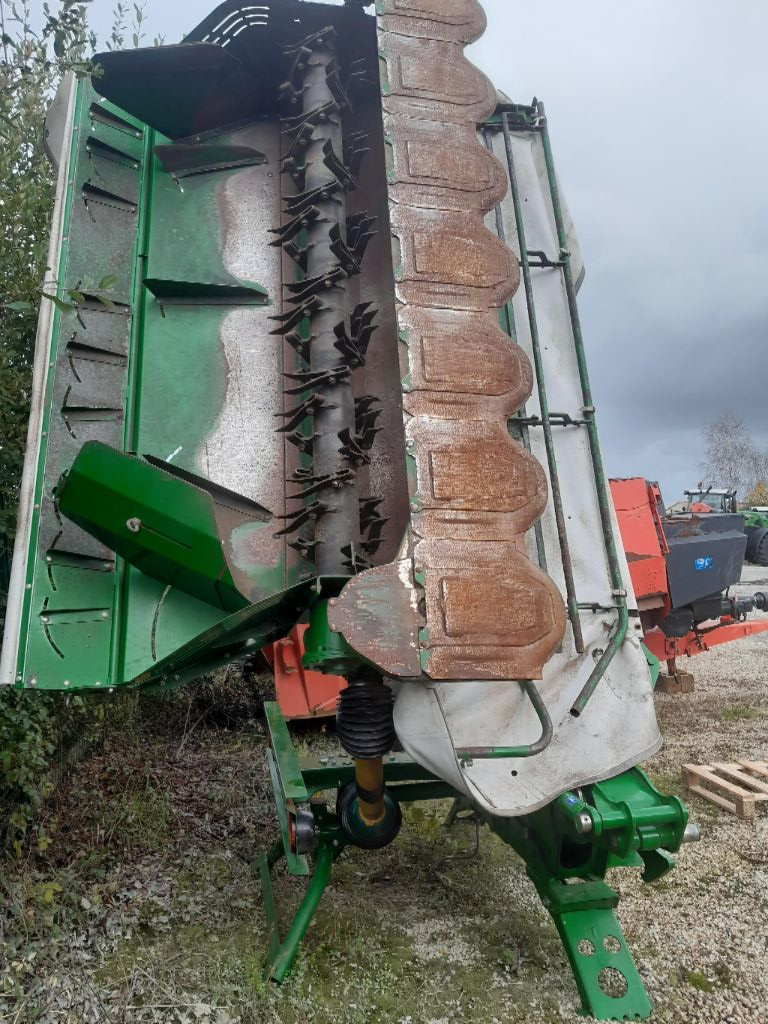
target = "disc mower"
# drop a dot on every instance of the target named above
(339, 381)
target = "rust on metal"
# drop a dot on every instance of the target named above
(378, 615)
(440, 166)
(485, 610)
(442, 353)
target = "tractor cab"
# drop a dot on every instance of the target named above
(711, 499)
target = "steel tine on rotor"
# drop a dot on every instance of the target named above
(330, 341)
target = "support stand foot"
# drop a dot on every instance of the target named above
(680, 682)
(282, 953)
(606, 977)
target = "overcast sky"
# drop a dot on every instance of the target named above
(658, 112)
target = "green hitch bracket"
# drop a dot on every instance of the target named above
(568, 847)
(629, 819)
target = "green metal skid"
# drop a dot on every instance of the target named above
(625, 822)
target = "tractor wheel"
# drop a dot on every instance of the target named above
(761, 554)
(757, 545)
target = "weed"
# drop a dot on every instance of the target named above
(698, 980)
(668, 783)
(740, 713)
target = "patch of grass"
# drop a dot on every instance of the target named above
(668, 783)
(698, 980)
(425, 930)
(143, 818)
(737, 714)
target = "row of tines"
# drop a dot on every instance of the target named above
(312, 387)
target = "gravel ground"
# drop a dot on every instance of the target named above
(142, 907)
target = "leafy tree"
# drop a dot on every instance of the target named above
(31, 64)
(731, 457)
(758, 495)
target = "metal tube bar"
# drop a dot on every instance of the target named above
(510, 318)
(557, 498)
(369, 778)
(527, 750)
(601, 486)
(290, 944)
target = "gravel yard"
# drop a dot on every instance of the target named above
(142, 908)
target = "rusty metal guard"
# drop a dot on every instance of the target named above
(486, 611)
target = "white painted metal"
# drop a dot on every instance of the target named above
(618, 729)
(59, 144)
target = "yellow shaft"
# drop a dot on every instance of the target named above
(369, 776)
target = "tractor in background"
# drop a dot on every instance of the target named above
(682, 567)
(723, 500)
(711, 499)
(756, 526)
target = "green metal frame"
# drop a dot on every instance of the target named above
(567, 847)
(151, 518)
(514, 117)
(601, 479)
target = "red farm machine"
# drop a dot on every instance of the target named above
(683, 567)
(317, 407)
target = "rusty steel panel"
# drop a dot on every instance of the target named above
(487, 364)
(450, 261)
(486, 610)
(442, 167)
(378, 614)
(462, 20)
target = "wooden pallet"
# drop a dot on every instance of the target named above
(735, 786)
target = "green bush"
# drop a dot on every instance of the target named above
(37, 736)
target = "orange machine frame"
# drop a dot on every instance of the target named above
(637, 503)
(301, 692)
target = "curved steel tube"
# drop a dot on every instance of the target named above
(527, 750)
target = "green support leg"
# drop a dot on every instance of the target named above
(276, 853)
(282, 954)
(607, 979)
